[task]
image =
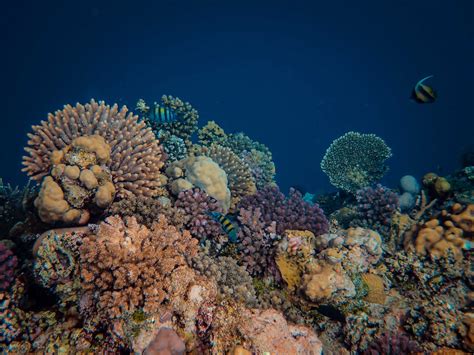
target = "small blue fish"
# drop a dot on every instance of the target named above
(162, 114)
(226, 224)
(422, 93)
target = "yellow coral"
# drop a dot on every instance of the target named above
(376, 288)
(289, 270)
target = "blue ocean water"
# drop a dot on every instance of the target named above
(292, 74)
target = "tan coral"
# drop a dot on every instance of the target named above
(375, 284)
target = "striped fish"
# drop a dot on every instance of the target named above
(226, 224)
(162, 114)
(422, 93)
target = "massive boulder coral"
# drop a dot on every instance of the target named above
(135, 154)
(240, 180)
(79, 185)
(451, 231)
(201, 172)
(126, 267)
(355, 160)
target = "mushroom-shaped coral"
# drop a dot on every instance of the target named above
(355, 160)
(135, 155)
(128, 267)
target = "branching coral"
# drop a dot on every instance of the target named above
(135, 156)
(291, 212)
(392, 344)
(355, 160)
(185, 124)
(449, 231)
(261, 166)
(233, 280)
(8, 264)
(211, 133)
(197, 205)
(175, 149)
(240, 180)
(127, 267)
(375, 207)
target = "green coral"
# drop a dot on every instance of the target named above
(355, 160)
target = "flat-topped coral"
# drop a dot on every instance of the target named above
(126, 267)
(135, 155)
(452, 231)
(355, 160)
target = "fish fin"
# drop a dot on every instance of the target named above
(424, 79)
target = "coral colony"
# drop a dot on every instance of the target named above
(135, 238)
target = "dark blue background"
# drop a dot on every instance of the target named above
(292, 74)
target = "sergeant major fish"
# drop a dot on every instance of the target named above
(226, 224)
(162, 114)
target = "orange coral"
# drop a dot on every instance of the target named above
(450, 231)
(126, 266)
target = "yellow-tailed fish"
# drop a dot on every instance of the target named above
(422, 93)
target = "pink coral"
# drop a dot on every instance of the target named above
(8, 263)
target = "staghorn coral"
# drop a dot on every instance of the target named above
(126, 266)
(211, 133)
(291, 212)
(201, 172)
(196, 205)
(135, 158)
(8, 264)
(233, 280)
(78, 186)
(452, 230)
(355, 160)
(183, 127)
(239, 175)
(375, 208)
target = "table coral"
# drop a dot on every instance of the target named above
(136, 157)
(355, 160)
(452, 230)
(126, 266)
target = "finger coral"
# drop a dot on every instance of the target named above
(290, 212)
(355, 160)
(452, 231)
(135, 155)
(126, 266)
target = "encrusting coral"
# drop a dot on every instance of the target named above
(127, 267)
(452, 230)
(355, 160)
(135, 155)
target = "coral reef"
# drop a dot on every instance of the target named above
(13, 205)
(211, 133)
(135, 155)
(290, 212)
(175, 149)
(261, 166)
(355, 160)
(392, 344)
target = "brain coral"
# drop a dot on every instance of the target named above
(127, 267)
(355, 160)
(135, 155)
(239, 175)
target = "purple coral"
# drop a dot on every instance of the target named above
(392, 344)
(375, 206)
(290, 212)
(197, 204)
(8, 263)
